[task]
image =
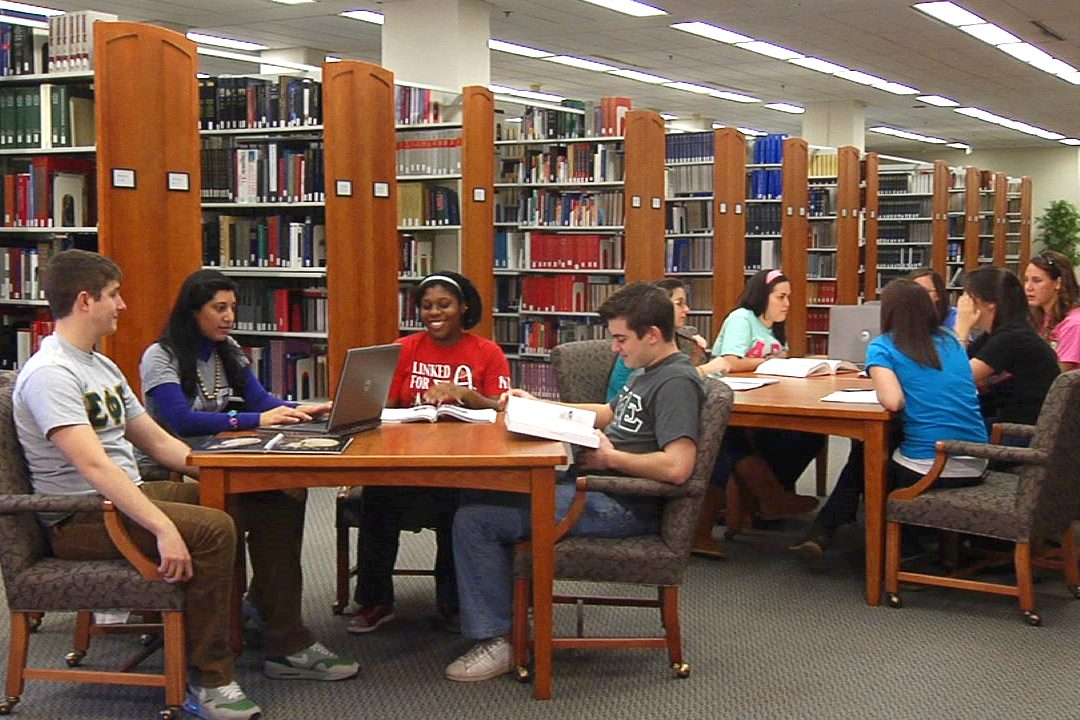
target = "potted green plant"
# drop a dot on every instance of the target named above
(1059, 229)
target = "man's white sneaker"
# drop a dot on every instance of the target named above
(226, 702)
(486, 660)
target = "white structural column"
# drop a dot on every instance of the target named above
(835, 124)
(437, 42)
(305, 56)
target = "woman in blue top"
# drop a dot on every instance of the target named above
(921, 373)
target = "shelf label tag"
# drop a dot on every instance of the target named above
(380, 189)
(635, 201)
(123, 178)
(738, 208)
(479, 194)
(343, 188)
(177, 181)
(722, 208)
(657, 203)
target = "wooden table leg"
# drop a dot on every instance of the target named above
(543, 570)
(876, 448)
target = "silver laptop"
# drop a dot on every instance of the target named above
(361, 393)
(851, 328)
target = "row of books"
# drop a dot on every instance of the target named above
(767, 149)
(764, 219)
(566, 292)
(21, 50)
(20, 271)
(507, 293)
(821, 265)
(571, 208)
(267, 241)
(408, 313)
(765, 184)
(228, 103)
(824, 165)
(821, 201)
(688, 217)
(572, 162)
(553, 251)
(817, 319)
(21, 336)
(262, 172)
(699, 296)
(905, 233)
(688, 180)
(417, 106)
(822, 235)
(292, 369)
(423, 204)
(429, 152)
(919, 181)
(54, 191)
(505, 330)
(762, 254)
(908, 208)
(261, 308)
(416, 256)
(537, 336)
(822, 292)
(536, 377)
(537, 123)
(817, 345)
(688, 255)
(689, 147)
(71, 40)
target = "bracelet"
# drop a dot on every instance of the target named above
(234, 422)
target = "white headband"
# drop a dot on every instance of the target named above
(443, 278)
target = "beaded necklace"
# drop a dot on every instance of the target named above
(208, 394)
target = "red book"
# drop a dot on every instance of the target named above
(282, 317)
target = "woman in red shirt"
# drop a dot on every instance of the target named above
(443, 364)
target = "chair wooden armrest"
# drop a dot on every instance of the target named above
(945, 448)
(1016, 430)
(123, 542)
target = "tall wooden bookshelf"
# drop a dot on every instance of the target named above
(795, 228)
(478, 198)
(146, 106)
(904, 236)
(870, 207)
(1025, 224)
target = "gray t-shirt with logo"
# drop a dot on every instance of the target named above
(657, 407)
(62, 385)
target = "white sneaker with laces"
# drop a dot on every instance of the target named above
(226, 702)
(315, 662)
(486, 660)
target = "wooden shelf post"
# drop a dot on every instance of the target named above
(971, 219)
(729, 221)
(847, 226)
(643, 196)
(939, 244)
(870, 225)
(478, 198)
(1025, 223)
(1001, 203)
(795, 229)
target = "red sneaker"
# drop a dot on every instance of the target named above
(369, 617)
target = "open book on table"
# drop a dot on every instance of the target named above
(262, 441)
(804, 367)
(433, 413)
(551, 420)
(747, 383)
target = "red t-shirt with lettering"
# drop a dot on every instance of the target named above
(472, 361)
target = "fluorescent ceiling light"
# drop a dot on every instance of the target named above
(949, 13)
(786, 107)
(292, 2)
(897, 88)
(862, 78)
(907, 135)
(1070, 141)
(270, 69)
(717, 126)
(938, 100)
(1053, 66)
(530, 94)
(629, 7)
(331, 58)
(27, 22)
(813, 63)
(228, 55)
(959, 146)
(668, 117)
(712, 32)
(752, 132)
(29, 9)
(1026, 52)
(980, 114)
(513, 119)
(201, 76)
(580, 63)
(225, 42)
(734, 97)
(1073, 78)
(690, 87)
(514, 49)
(990, 34)
(641, 76)
(368, 16)
(773, 51)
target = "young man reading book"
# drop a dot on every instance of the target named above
(648, 430)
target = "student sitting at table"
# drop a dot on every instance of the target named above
(933, 283)
(650, 430)
(766, 462)
(442, 364)
(188, 376)
(920, 372)
(1012, 366)
(1054, 300)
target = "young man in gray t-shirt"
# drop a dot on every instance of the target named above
(77, 421)
(649, 430)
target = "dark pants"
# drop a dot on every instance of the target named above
(385, 512)
(787, 452)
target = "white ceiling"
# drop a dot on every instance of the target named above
(882, 37)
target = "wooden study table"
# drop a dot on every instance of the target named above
(443, 454)
(795, 404)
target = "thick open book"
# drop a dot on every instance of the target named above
(804, 367)
(262, 441)
(432, 413)
(552, 421)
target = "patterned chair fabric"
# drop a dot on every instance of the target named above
(659, 559)
(582, 370)
(33, 580)
(1036, 503)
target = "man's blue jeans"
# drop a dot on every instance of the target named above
(487, 526)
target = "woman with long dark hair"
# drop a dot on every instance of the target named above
(188, 377)
(1054, 300)
(921, 373)
(443, 364)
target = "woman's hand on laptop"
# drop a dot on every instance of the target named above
(316, 411)
(283, 415)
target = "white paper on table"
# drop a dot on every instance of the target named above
(852, 396)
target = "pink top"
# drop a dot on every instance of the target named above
(1065, 337)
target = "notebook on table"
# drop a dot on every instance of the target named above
(851, 328)
(361, 393)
